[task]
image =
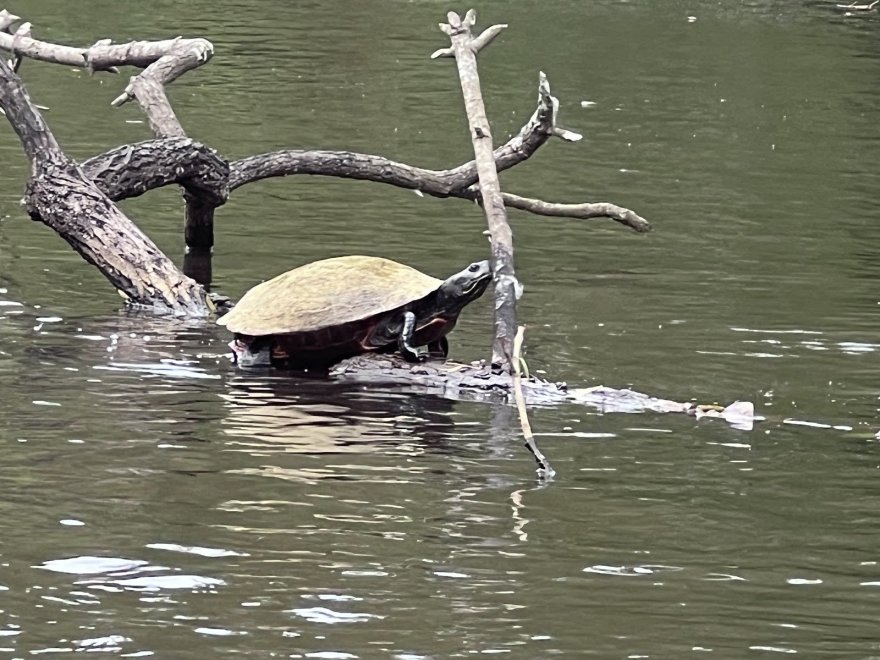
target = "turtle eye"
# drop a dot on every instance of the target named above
(473, 268)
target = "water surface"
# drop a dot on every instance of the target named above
(158, 501)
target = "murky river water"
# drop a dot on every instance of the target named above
(158, 502)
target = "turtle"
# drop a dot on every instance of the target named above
(325, 311)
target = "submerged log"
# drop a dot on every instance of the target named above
(477, 381)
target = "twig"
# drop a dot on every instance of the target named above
(584, 211)
(544, 469)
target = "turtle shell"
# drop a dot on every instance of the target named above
(327, 293)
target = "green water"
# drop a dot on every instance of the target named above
(157, 501)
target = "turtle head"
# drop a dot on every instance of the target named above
(467, 285)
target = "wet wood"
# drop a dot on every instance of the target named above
(544, 469)
(477, 381)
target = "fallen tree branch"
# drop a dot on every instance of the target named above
(133, 169)
(477, 382)
(455, 182)
(62, 197)
(163, 62)
(584, 211)
(206, 178)
(855, 6)
(171, 60)
(440, 183)
(167, 59)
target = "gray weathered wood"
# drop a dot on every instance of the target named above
(501, 238)
(477, 381)
(162, 62)
(62, 197)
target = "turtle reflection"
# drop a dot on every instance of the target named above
(268, 416)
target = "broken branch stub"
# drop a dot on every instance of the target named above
(501, 238)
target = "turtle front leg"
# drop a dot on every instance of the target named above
(404, 341)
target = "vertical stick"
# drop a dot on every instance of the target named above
(544, 468)
(464, 49)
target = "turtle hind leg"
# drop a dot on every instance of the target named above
(439, 349)
(404, 341)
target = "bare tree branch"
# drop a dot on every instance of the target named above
(455, 182)
(148, 87)
(441, 183)
(585, 211)
(507, 287)
(487, 36)
(133, 169)
(544, 469)
(62, 197)
(163, 62)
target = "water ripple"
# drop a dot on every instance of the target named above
(326, 615)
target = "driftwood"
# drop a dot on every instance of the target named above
(477, 381)
(61, 196)
(855, 6)
(205, 176)
(77, 200)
